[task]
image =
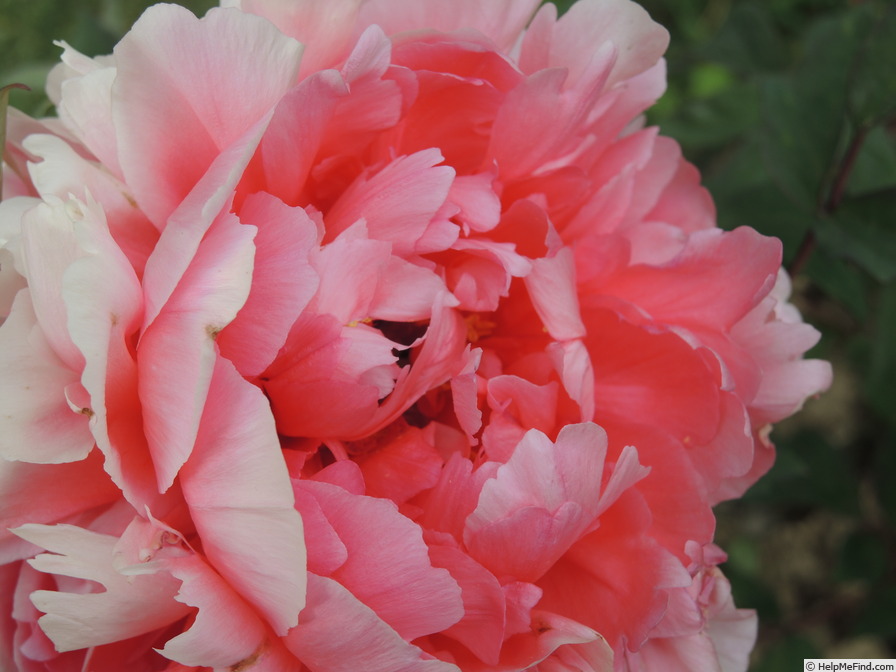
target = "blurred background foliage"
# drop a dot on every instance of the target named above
(788, 107)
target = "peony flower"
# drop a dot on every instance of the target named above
(376, 335)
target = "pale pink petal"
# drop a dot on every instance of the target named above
(465, 395)
(730, 452)
(675, 654)
(573, 362)
(654, 168)
(63, 173)
(200, 84)
(552, 288)
(344, 474)
(226, 630)
(732, 631)
(129, 606)
(252, 535)
(326, 29)
(11, 270)
(338, 633)
(326, 552)
(103, 301)
(49, 246)
(188, 225)
(684, 203)
(543, 500)
(455, 496)
(594, 656)
(38, 423)
(588, 24)
(85, 106)
(502, 21)
(406, 292)
(176, 353)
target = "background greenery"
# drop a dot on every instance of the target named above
(788, 107)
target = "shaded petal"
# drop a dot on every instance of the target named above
(338, 633)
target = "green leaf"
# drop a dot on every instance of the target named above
(4, 105)
(798, 146)
(804, 113)
(711, 122)
(873, 95)
(784, 654)
(809, 473)
(885, 467)
(748, 40)
(862, 558)
(841, 281)
(880, 381)
(879, 616)
(875, 166)
(760, 205)
(864, 231)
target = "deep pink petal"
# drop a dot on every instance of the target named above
(283, 283)
(398, 202)
(388, 567)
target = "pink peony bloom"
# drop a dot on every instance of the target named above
(376, 335)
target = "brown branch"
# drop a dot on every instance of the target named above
(835, 196)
